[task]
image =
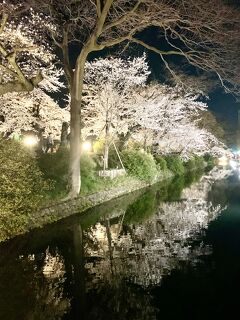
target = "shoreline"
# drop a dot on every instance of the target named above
(63, 209)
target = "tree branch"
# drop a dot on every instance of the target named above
(9, 71)
(123, 18)
(158, 51)
(3, 22)
(17, 86)
(98, 8)
(103, 16)
(28, 84)
(66, 61)
(111, 43)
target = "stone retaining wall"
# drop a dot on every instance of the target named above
(78, 205)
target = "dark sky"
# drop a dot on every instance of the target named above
(223, 105)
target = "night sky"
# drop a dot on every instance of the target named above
(224, 106)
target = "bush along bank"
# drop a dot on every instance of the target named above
(29, 183)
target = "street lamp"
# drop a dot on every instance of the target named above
(223, 160)
(87, 146)
(30, 141)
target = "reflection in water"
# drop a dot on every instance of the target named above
(105, 271)
(142, 253)
(32, 287)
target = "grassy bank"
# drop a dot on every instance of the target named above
(29, 182)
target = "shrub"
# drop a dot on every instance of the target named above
(190, 165)
(113, 160)
(161, 163)
(209, 159)
(22, 185)
(199, 162)
(196, 162)
(193, 176)
(139, 164)
(89, 181)
(175, 164)
(55, 167)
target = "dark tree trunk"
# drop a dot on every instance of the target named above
(64, 134)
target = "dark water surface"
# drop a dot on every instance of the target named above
(172, 252)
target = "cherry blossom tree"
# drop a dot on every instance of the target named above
(34, 112)
(169, 117)
(26, 61)
(160, 107)
(108, 85)
(187, 140)
(202, 33)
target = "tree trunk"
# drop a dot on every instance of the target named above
(145, 142)
(75, 124)
(64, 134)
(106, 146)
(123, 139)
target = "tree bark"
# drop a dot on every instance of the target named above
(106, 146)
(75, 124)
(64, 134)
(18, 86)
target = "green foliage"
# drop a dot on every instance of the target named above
(190, 165)
(89, 181)
(175, 164)
(88, 166)
(161, 163)
(55, 167)
(113, 160)
(139, 164)
(209, 159)
(196, 162)
(22, 185)
(192, 176)
(199, 162)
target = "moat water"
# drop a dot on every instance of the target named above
(170, 252)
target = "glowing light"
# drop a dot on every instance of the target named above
(223, 161)
(87, 146)
(30, 141)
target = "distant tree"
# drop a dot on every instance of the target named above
(188, 140)
(207, 120)
(160, 107)
(172, 120)
(204, 33)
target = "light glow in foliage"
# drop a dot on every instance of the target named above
(223, 161)
(30, 141)
(86, 146)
